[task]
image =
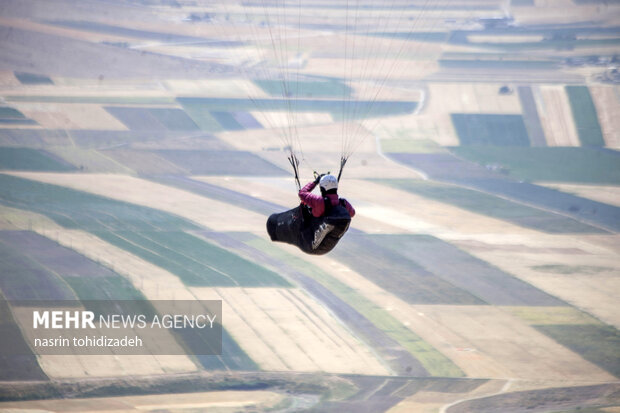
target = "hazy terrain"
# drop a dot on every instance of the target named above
(144, 143)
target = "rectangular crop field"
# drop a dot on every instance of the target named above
(585, 165)
(27, 159)
(222, 162)
(7, 112)
(26, 78)
(305, 88)
(585, 116)
(226, 120)
(144, 119)
(530, 116)
(490, 129)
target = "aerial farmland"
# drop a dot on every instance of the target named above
(144, 144)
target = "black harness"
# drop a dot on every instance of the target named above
(313, 235)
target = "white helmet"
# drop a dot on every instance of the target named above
(328, 182)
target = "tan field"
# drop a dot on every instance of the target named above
(70, 116)
(8, 80)
(312, 140)
(556, 117)
(594, 271)
(216, 88)
(412, 70)
(285, 329)
(504, 39)
(433, 119)
(563, 11)
(491, 334)
(471, 98)
(430, 125)
(283, 119)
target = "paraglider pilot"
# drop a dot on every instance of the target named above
(318, 223)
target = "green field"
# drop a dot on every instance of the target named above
(433, 361)
(203, 117)
(173, 119)
(491, 206)
(10, 113)
(550, 44)
(12, 116)
(490, 129)
(571, 269)
(148, 119)
(585, 116)
(27, 159)
(227, 120)
(111, 287)
(559, 164)
(408, 145)
(305, 88)
(32, 79)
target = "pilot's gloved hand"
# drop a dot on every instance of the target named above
(317, 177)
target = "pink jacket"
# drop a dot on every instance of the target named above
(316, 201)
